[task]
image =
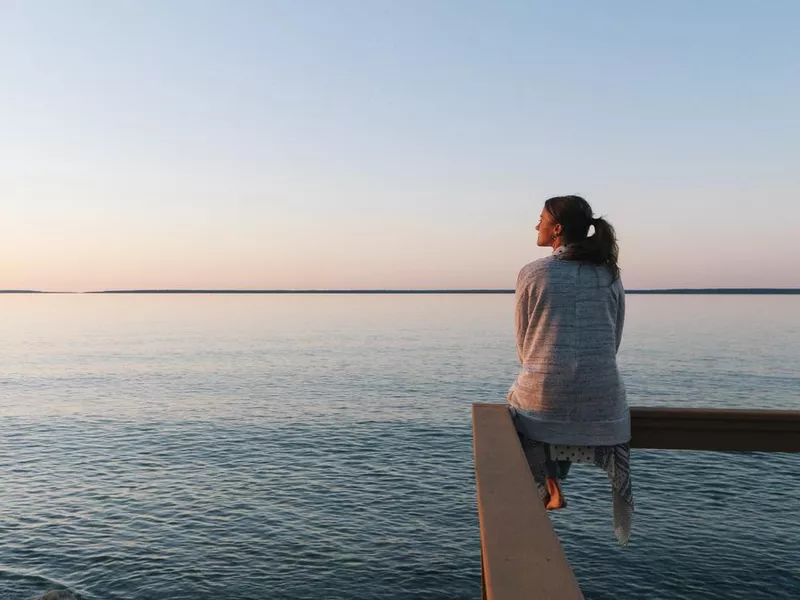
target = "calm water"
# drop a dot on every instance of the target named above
(320, 447)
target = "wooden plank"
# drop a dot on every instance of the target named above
(522, 557)
(715, 429)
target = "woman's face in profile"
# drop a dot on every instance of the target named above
(548, 229)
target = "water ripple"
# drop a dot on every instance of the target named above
(293, 448)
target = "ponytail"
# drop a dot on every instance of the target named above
(575, 216)
(601, 247)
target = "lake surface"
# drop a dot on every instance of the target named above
(212, 446)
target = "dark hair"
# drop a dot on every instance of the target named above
(575, 216)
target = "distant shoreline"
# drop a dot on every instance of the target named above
(665, 291)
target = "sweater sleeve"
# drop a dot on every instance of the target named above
(522, 297)
(620, 312)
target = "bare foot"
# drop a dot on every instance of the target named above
(556, 498)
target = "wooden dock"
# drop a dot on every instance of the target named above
(522, 558)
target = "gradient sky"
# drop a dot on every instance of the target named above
(346, 144)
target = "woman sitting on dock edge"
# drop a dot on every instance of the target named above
(568, 402)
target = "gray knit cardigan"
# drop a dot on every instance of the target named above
(569, 318)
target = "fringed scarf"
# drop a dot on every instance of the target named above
(548, 460)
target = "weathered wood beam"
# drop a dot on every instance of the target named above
(522, 557)
(715, 429)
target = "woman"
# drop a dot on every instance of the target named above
(568, 402)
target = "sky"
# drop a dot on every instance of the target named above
(393, 144)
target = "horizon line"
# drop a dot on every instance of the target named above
(717, 291)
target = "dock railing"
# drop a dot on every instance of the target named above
(521, 555)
